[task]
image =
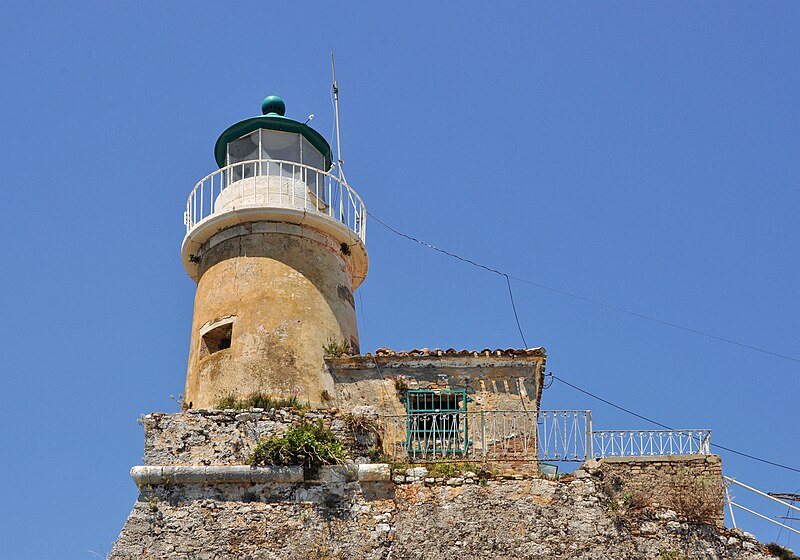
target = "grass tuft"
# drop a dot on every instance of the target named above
(258, 400)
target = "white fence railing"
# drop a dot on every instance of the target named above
(643, 443)
(518, 435)
(275, 184)
(770, 500)
(499, 435)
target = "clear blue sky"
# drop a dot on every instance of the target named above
(640, 154)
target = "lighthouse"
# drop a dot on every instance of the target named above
(275, 243)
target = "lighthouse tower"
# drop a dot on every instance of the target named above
(275, 243)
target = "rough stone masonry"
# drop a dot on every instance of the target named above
(197, 501)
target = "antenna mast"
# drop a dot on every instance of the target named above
(339, 160)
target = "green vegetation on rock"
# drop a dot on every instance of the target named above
(309, 445)
(257, 400)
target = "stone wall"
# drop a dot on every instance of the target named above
(286, 290)
(342, 518)
(493, 379)
(608, 509)
(691, 486)
(227, 437)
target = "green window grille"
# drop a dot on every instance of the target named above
(437, 423)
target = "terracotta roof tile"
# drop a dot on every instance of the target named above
(453, 352)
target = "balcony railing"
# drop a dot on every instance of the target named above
(275, 184)
(496, 435)
(518, 435)
(643, 443)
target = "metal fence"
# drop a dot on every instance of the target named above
(643, 443)
(275, 184)
(497, 435)
(771, 500)
(518, 435)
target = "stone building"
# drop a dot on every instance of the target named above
(446, 451)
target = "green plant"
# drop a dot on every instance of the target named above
(626, 498)
(337, 348)
(345, 248)
(781, 552)
(258, 400)
(667, 555)
(153, 502)
(309, 445)
(228, 402)
(398, 467)
(184, 406)
(447, 469)
(376, 454)
(325, 396)
(194, 258)
(613, 507)
(625, 505)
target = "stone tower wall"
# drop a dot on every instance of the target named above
(280, 292)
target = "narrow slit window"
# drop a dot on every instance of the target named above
(218, 338)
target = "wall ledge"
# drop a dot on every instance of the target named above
(170, 475)
(662, 459)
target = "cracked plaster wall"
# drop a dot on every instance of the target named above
(288, 290)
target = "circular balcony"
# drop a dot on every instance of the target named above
(275, 191)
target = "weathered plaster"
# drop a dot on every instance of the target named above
(285, 291)
(492, 382)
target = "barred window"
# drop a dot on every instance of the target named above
(437, 423)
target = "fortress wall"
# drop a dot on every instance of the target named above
(611, 508)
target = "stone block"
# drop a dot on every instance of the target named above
(146, 475)
(336, 474)
(233, 474)
(276, 474)
(378, 472)
(417, 472)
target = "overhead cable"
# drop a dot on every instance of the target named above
(453, 255)
(586, 299)
(646, 419)
(619, 407)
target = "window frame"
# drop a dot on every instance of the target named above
(437, 430)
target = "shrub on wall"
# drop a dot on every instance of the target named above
(695, 498)
(309, 445)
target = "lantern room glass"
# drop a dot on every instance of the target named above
(277, 146)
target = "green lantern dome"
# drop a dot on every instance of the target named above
(273, 109)
(273, 104)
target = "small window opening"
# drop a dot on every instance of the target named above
(218, 338)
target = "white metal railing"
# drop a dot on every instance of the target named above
(729, 500)
(500, 435)
(519, 435)
(643, 443)
(275, 184)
